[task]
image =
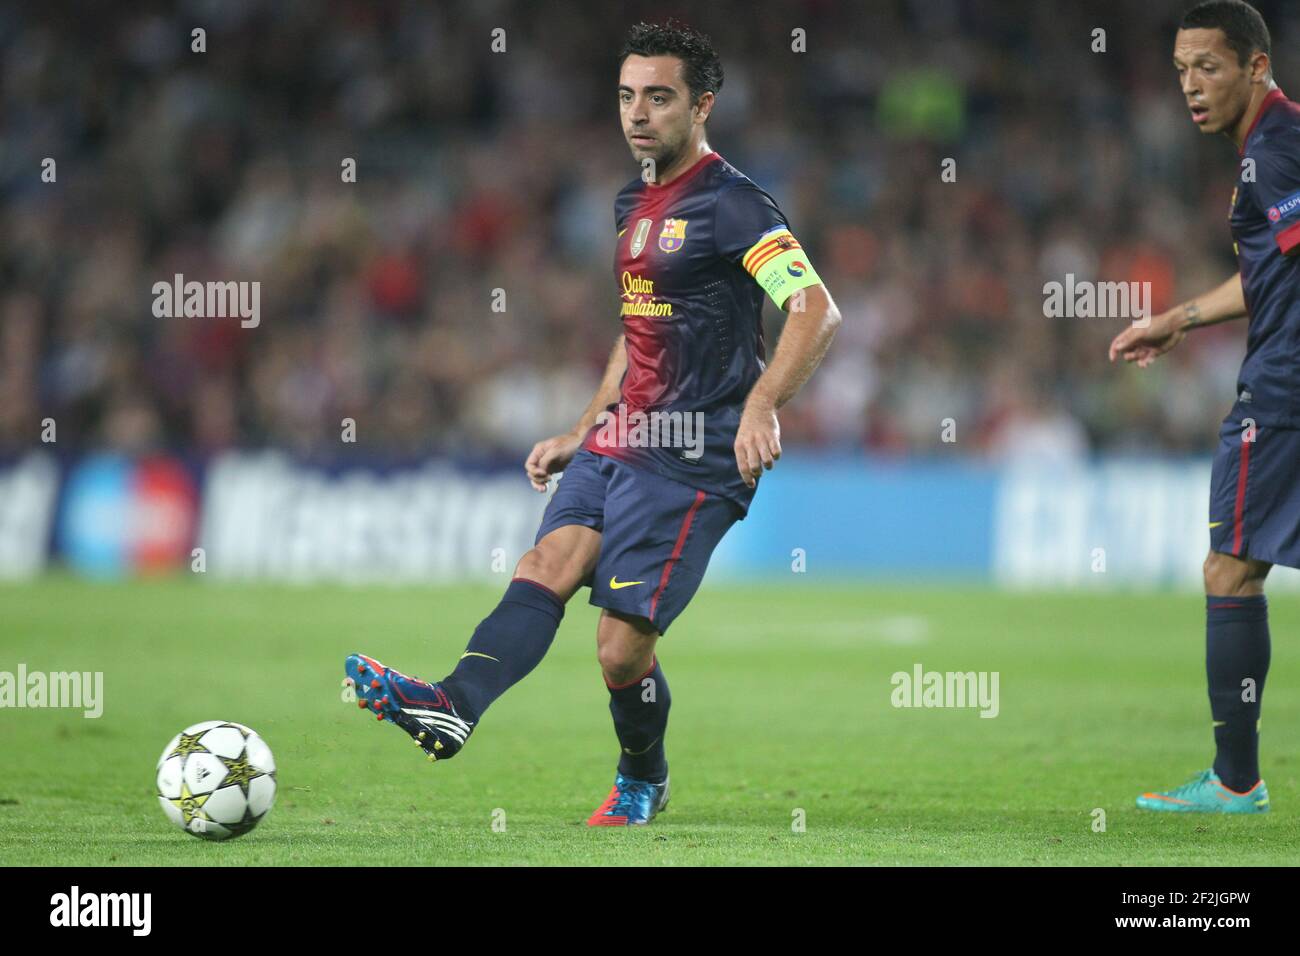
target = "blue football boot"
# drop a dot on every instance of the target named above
(421, 709)
(630, 803)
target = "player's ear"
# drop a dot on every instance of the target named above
(1260, 67)
(704, 106)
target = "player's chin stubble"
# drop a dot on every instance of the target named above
(663, 155)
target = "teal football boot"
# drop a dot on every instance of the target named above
(1205, 793)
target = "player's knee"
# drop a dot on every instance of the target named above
(1226, 576)
(1218, 575)
(551, 570)
(620, 663)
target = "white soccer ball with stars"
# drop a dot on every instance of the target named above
(216, 780)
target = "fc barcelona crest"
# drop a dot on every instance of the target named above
(673, 236)
(639, 237)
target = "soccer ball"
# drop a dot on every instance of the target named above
(216, 780)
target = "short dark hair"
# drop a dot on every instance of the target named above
(1240, 22)
(701, 66)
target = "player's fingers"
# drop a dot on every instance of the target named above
(534, 457)
(775, 446)
(551, 461)
(743, 463)
(1123, 342)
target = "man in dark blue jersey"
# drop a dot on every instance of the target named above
(668, 454)
(1222, 54)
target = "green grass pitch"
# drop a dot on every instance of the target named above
(781, 703)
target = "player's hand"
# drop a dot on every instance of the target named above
(550, 456)
(758, 442)
(1144, 344)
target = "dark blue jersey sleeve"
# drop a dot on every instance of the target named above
(1277, 184)
(743, 214)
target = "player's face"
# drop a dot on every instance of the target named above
(1216, 86)
(655, 108)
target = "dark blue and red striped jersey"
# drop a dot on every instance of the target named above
(1265, 223)
(693, 260)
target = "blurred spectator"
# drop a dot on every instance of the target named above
(479, 171)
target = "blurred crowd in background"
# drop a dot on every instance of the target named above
(479, 171)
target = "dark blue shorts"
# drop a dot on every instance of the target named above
(657, 535)
(1255, 492)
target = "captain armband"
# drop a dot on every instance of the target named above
(778, 264)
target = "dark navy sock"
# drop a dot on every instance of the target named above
(640, 711)
(1236, 649)
(506, 646)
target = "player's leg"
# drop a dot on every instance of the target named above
(638, 701)
(509, 642)
(1237, 651)
(514, 638)
(638, 693)
(1251, 482)
(659, 536)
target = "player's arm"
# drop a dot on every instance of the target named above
(751, 231)
(554, 454)
(1144, 343)
(811, 321)
(610, 387)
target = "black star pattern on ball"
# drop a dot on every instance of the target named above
(239, 772)
(188, 744)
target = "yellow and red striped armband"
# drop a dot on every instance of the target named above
(778, 264)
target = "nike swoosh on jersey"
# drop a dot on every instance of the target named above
(615, 583)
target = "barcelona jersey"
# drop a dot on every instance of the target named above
(693, 262)
(1265, 223)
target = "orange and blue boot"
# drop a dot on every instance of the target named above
(421, 709)
(630, 803)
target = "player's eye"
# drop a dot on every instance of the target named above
(658, 99)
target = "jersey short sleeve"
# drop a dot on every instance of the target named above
(751, 231)
(1277, 178)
